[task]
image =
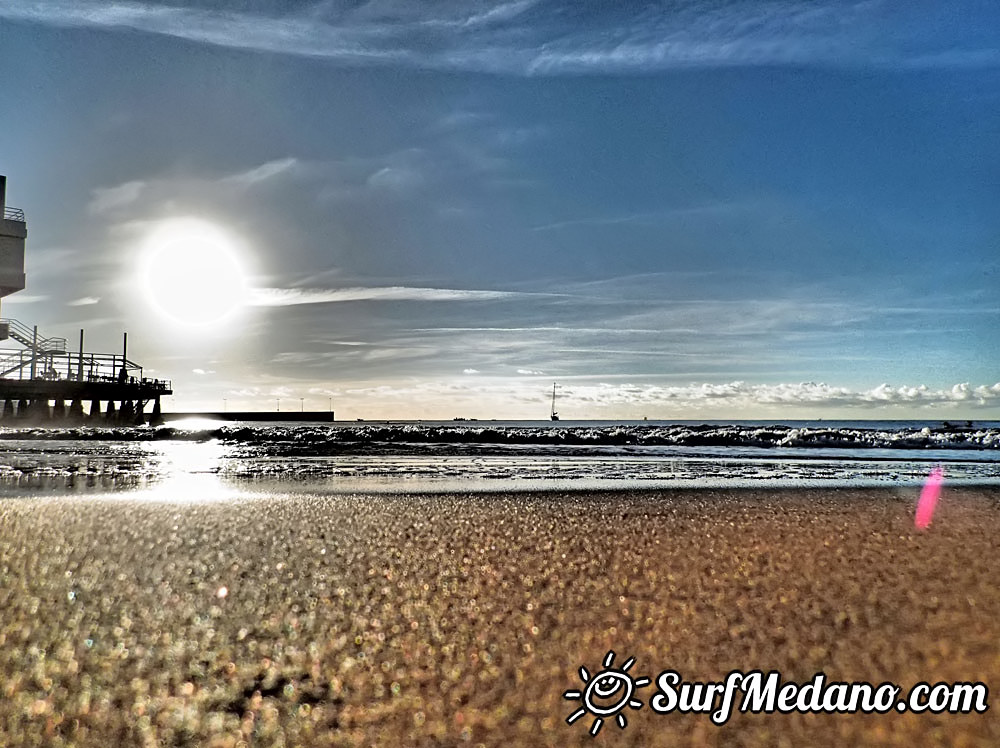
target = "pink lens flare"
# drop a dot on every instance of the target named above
(929, 496)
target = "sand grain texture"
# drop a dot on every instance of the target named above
(307, 620)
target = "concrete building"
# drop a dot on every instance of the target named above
(13, 232)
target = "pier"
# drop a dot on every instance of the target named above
(41, 380)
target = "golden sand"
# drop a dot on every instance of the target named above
(462, 619)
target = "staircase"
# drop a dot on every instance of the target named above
(37, 349)
(26, 337)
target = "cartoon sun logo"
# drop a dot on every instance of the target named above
(607, 694)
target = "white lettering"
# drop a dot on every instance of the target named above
(665, 700)
(721, 715)
(786, 697)
(811, 694)
(756, 698)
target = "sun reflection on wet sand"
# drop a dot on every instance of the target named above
(185, 472)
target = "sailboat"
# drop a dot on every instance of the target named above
(553, 415)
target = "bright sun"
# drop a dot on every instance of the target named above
(192, 275)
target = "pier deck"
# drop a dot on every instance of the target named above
(41, 389)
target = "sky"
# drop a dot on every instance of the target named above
(674, 210)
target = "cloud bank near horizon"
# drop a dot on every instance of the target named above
(741, 394)
(526, 398)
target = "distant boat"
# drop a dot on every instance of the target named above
(553, 415)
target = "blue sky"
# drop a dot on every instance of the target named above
(675, 210)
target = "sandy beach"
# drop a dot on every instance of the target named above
(310, 620)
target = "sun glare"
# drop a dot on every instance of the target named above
(192, 275)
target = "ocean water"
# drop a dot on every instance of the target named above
(199, 459)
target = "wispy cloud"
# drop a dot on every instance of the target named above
(295, 296)
(627, 327)
(24, 298)
(534, 37)
(286, 35)
(714, 210)
(139, 194)
(106, 199)
(84, 301)
(260, 173)
(409, 173)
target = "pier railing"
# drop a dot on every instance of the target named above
(69, 366)
(13, 214)
(54, 364)
(48, 360)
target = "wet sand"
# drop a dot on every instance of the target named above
(461, 619)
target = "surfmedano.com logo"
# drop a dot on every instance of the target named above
(607, 693)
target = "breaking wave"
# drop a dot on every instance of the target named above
(364, 438)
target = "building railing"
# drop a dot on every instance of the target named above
(13, 214)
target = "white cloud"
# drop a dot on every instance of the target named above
(741, 395)
(471, 371)
(261, 173)
(294, 296)
(84, 301)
